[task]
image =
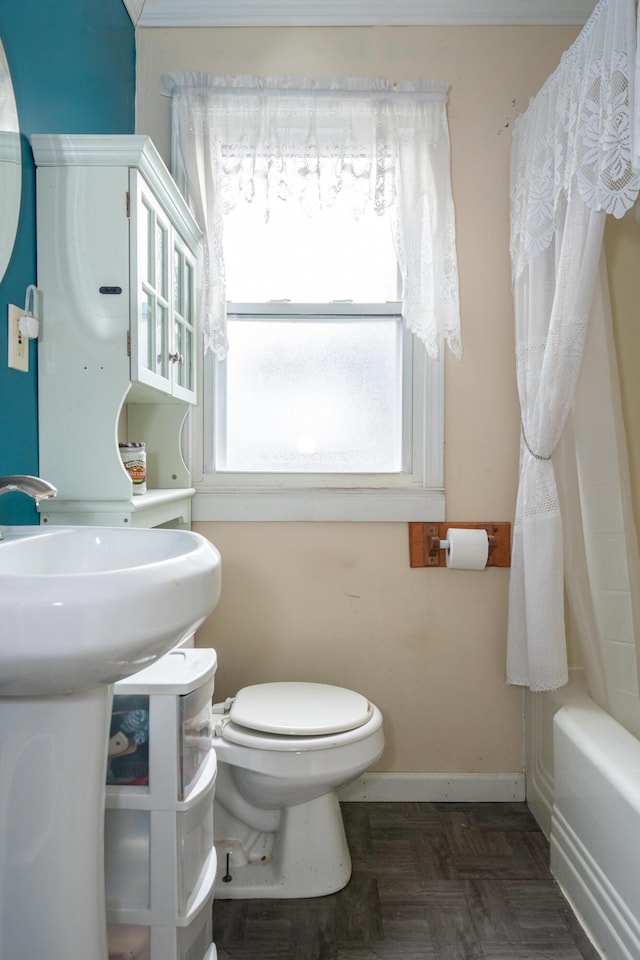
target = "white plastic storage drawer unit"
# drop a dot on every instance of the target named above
(175, 693)
(160, 859)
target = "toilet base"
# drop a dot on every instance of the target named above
(306, 856)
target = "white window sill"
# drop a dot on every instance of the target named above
(319, 503)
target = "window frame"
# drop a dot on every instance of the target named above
(417, 495)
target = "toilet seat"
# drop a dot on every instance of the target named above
(299, 709)
(266, 743)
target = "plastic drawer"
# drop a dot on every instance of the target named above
(189, 939)
(134, 943)
(127, 857)
(158, 765)
(155, 859)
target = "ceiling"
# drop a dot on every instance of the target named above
(247, 13)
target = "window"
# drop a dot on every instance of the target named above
(325, 407)
(314, 381)
(316, 392)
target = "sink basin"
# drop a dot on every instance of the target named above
(80, 607)
(86, 606)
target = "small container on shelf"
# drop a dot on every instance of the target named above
(134, 458)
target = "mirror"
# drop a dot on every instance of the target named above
(10, 167)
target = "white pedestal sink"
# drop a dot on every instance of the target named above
(80, 607)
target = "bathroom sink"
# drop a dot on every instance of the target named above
(82, 607)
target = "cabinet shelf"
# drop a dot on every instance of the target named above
(151, 509)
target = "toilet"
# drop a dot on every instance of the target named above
(283, 750)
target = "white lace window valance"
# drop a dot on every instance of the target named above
(319, 142)
(576, 134)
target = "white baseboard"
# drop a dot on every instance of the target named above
(431, 787)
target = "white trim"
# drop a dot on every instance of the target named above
(436, 787)
(427, 418)
(245, 13)
(539, 711)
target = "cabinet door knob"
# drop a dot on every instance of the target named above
(176, 358)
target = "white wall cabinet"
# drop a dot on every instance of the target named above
(118, 263)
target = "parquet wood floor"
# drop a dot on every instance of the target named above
(431, 881)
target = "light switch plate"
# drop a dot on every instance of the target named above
(18, 346)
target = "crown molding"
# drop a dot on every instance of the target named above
(119, 150)
(275, 13)
(134, 9)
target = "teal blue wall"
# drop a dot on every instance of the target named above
(73, 68)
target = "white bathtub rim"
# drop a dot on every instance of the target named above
(618, 750)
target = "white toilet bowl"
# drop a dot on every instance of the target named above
(283, 749)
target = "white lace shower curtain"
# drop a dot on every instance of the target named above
(570, 166)
(319, 142)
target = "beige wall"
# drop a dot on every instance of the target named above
(338, 602)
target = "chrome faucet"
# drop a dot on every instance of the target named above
(32, 486)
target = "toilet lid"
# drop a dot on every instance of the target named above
(299, 709)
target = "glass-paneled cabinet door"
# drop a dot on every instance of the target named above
(151, 287)
(182, 354)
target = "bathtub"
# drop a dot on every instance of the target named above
(583, 787)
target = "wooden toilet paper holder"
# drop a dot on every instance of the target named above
(424, 543)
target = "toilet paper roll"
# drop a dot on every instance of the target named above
(468, 549)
